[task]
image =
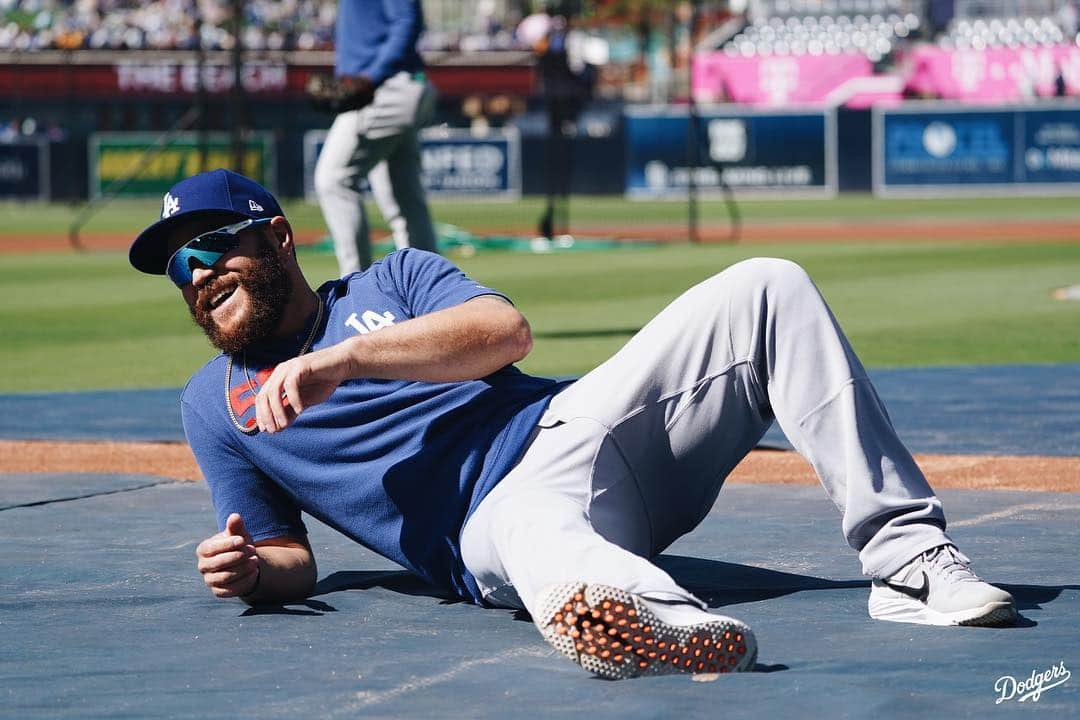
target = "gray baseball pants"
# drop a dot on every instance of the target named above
(379, 142)
(632, 456)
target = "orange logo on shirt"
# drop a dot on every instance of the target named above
(242, 396)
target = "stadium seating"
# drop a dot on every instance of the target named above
(832, 27)
(1013, 32)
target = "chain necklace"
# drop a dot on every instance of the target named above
(253, 430)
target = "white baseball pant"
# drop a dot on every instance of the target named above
(632, 456)
(380, 142)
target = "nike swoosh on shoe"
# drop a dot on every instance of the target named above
(921, 593)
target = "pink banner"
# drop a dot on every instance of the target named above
(775, 79)
(993, 74)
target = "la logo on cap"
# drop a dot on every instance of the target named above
(255, 207)
(169, 206)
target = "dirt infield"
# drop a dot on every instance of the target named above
(878, 231)
(175, 461)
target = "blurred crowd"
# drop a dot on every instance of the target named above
(28, 25)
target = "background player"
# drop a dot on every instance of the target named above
(375, 46)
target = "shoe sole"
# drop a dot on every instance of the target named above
(1000, 616)
(607, 631)
(996, 614)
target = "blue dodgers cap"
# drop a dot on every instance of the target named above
(218, 195)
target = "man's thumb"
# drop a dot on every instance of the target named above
(235, 526)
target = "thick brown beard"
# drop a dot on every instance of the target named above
(269, 291)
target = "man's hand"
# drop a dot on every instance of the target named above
(298, 384)
(227, 561)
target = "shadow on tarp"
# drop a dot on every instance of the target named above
(717, 583)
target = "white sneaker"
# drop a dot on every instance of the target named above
(938, 588)
(618, 635)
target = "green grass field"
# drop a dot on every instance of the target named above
(88, 321)
(130, 215)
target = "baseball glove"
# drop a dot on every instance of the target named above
(339, 94)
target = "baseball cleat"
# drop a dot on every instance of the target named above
(614, 634)
(939, 588)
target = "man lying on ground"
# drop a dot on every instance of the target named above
(386, 405)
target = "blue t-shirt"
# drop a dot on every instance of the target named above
(397, 466)
(377, 38)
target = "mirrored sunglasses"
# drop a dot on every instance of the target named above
(207, 248)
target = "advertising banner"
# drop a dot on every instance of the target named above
(115, 155)
(993, 74)
(930, 148)
(791, 151)
(774, 79)
(136, 76)
(454, 162)
(24, 169)
(1051, 147)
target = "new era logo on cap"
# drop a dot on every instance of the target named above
(218, 196)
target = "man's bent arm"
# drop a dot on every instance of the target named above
(465, 342)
